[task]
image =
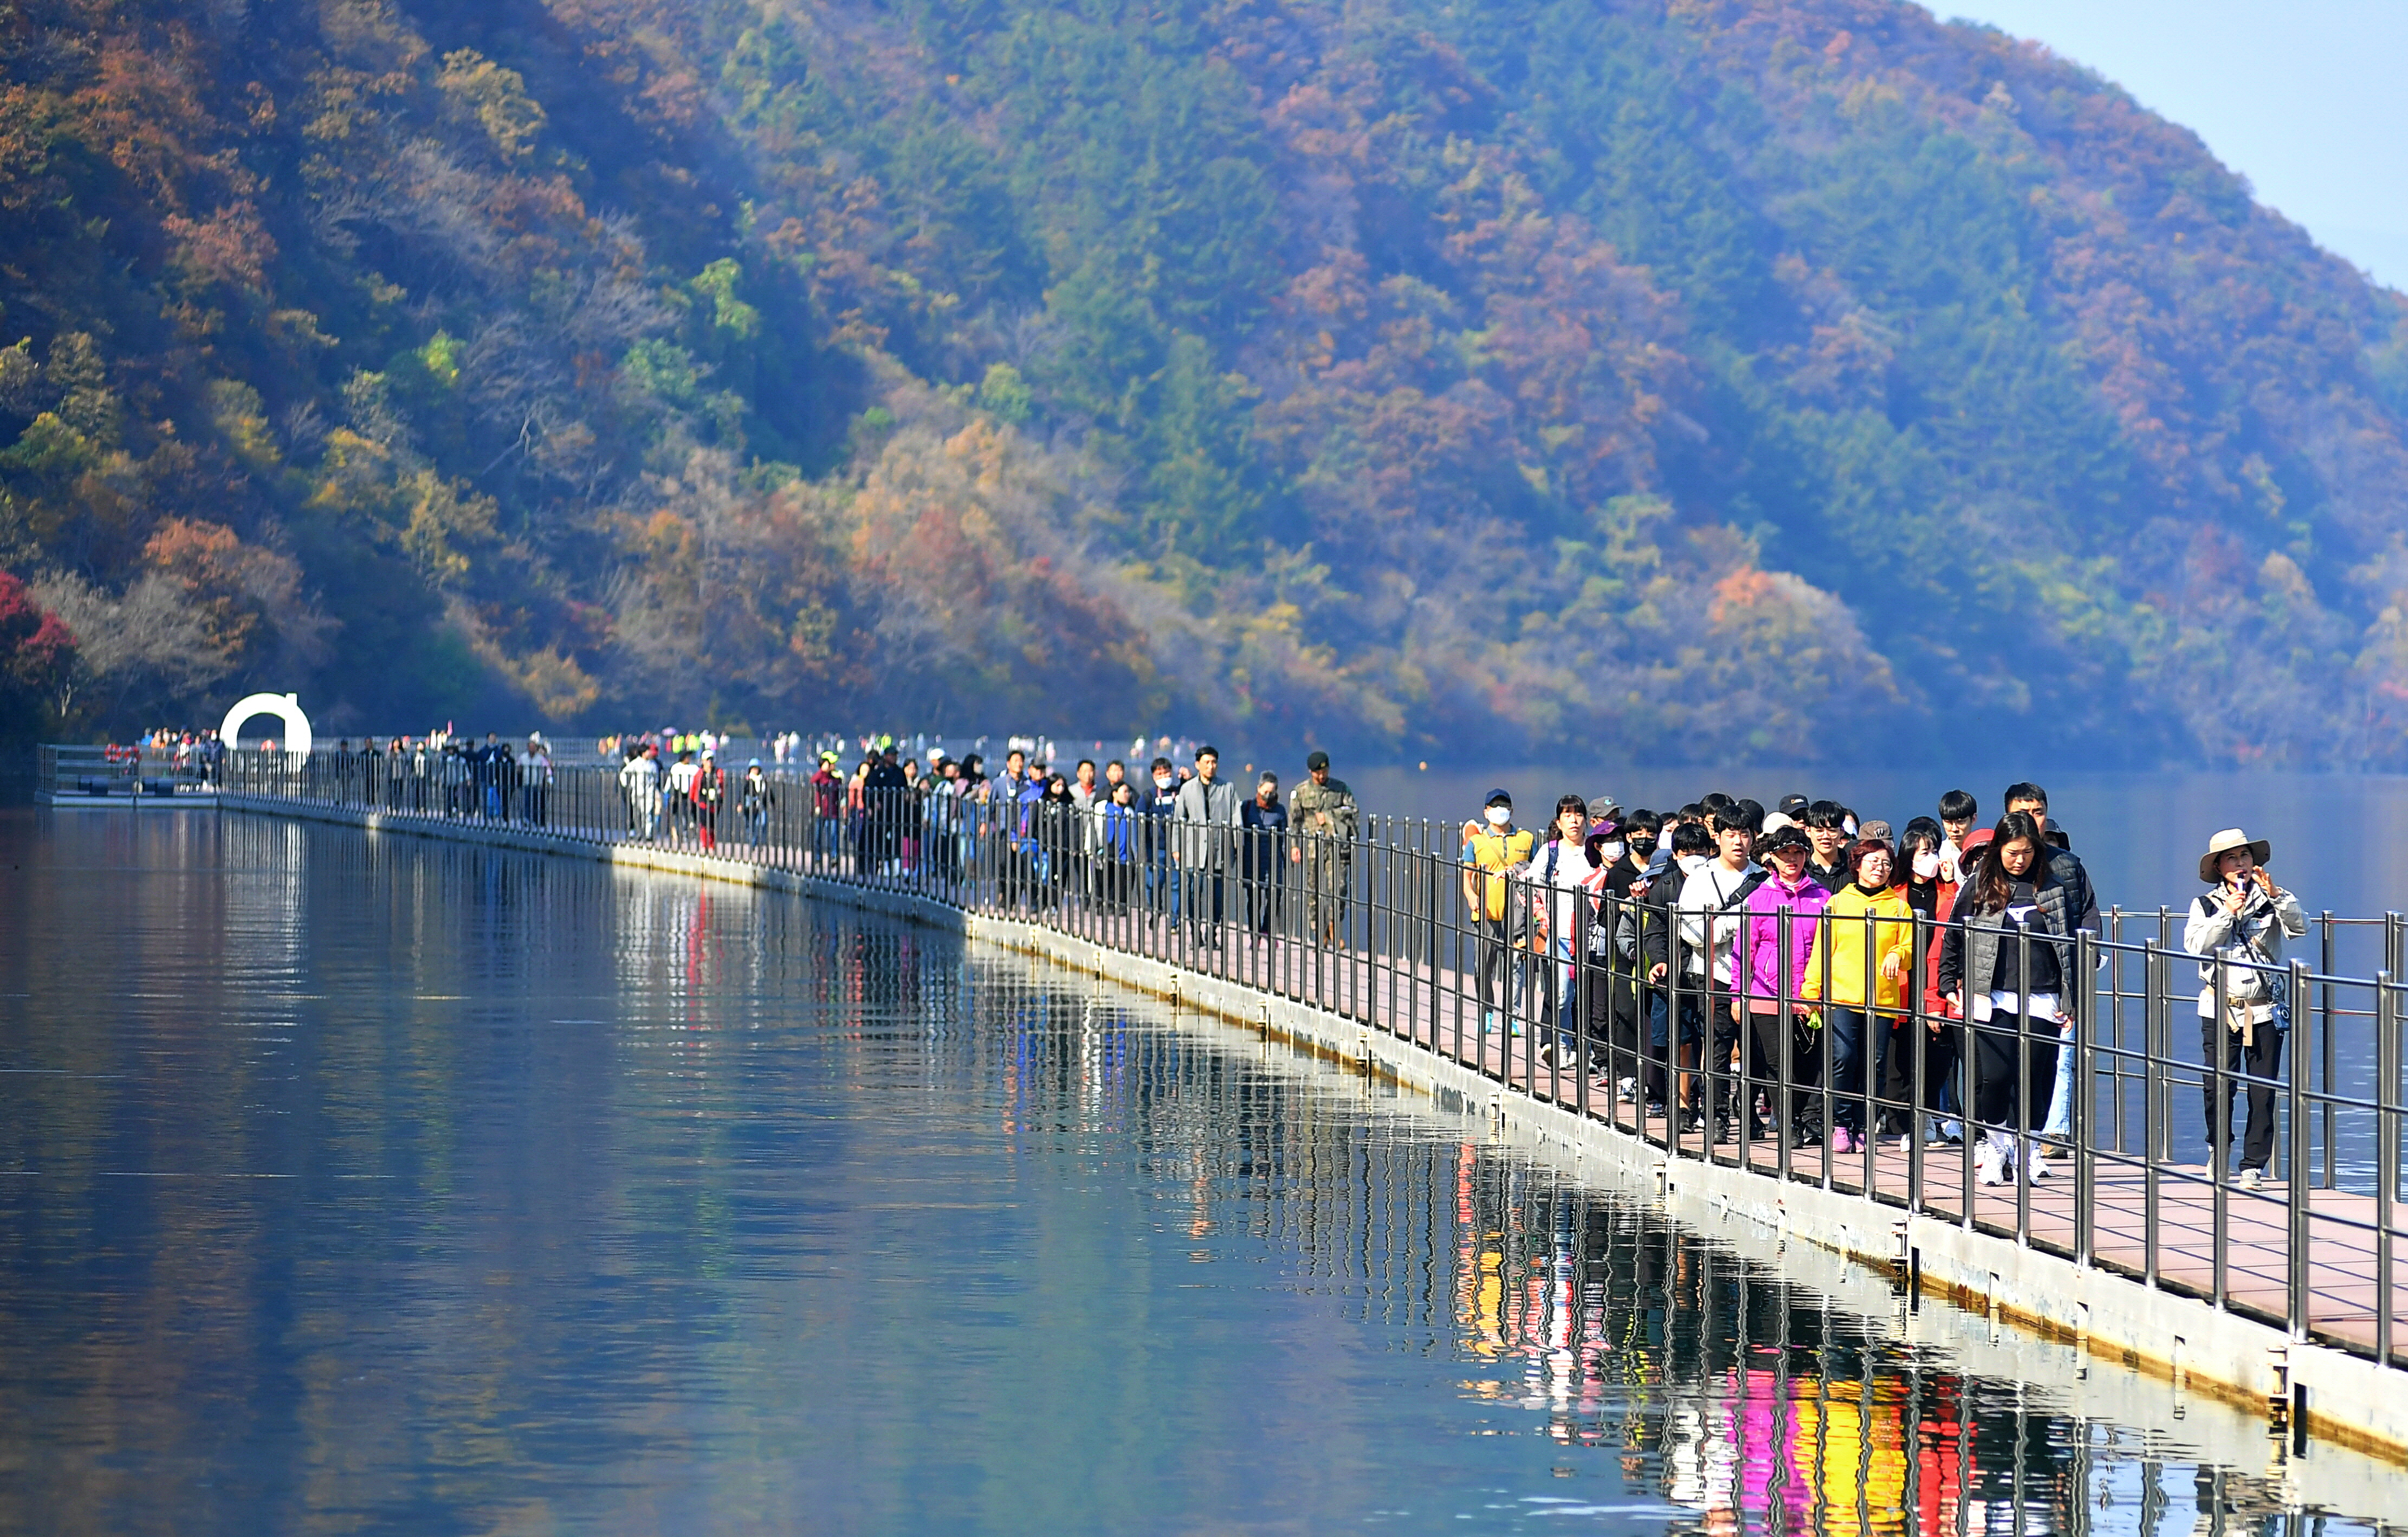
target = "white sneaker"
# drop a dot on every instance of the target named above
(1628, 1090)
(2040, 1169)
(2251, 1178)
(1990, 1166)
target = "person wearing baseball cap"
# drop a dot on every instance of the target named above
(1322, 815)
(1493, 851)
(2237, 927)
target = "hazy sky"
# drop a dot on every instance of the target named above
(2306, 98)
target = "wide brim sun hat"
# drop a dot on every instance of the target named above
(2224, 843)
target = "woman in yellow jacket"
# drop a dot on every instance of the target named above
(1866, 935)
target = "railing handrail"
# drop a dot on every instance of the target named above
(1392, 929)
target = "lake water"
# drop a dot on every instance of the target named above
(385, 1184)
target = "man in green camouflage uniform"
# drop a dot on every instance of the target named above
(1321, 810)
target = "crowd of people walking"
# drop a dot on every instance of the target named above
(1801, 973)
(442, 773)
(1790, 957)
(1805, 956)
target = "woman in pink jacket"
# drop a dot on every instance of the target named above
(1772, 969)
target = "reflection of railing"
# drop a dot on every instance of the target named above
(98, 773)
(1554, 994)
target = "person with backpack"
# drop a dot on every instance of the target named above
(1674, 1011)
(2237, 927)
(707, 791)
(1619, 999)
(1122, 847)
(1494, 853)
(1563, 874)
(1708, 913)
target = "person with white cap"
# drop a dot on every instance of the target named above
(2237, 927)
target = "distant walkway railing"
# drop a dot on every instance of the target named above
(1561, 1000)
(99, 773)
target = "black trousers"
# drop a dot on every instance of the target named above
(2262, 1060)
(1787, 1095)
(2014, 1070)
(1494, 973)
(1206, 889)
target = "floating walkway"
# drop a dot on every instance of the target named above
(2129, 1257)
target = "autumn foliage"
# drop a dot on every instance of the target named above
(1513, 377)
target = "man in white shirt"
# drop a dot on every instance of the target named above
(639, 778)
(1712, 908)
(683, 774)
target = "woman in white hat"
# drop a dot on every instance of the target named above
(2237, 927)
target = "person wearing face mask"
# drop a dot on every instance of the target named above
(1619, 1001)
(1918, 871)
(1915, 876)
(1493, 851)
(2003, 962)
(1265, 821)
(1674, 999)
(1860, 966)
(1159, 806)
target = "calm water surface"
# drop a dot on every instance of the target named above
(352, 1185)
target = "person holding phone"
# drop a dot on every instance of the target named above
(2237, 927)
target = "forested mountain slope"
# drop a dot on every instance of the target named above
(1707, 379)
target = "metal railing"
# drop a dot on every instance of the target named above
(1626, 1009)
(104, 771)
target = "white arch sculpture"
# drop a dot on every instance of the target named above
(284, 706)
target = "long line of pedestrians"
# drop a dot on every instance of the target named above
(1744, 967)
(1801, 973)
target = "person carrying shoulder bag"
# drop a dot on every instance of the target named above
(2237, 927)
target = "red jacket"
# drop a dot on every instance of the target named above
(1934, 1006)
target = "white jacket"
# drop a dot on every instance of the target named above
(1707, 886)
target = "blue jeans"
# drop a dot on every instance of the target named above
(1844, 1040)
(2060, 1099)
(1564, 992)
